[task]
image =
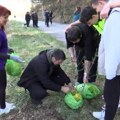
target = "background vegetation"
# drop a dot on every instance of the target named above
(63, 9)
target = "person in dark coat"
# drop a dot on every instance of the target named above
(85, 39)
(35, 19)
(46, 18)
(27, 18)
(50, 16)
(44, 73)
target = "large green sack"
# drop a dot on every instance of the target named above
(74, 102)
(13, 68)
(88, 90)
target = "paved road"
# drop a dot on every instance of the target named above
(56, 29)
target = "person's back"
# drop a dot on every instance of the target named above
(31, 70)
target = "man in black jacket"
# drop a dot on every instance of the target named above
(27, 19)
(44, 73)
(85, 39)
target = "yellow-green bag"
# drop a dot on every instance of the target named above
(88, 90)
(13, 68)
(74, 101)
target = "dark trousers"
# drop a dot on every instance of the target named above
(27, 23)
(47, 22)
(38, 92)
(50, 20)
(80, 66)
(3, 83)
(111, 95)
(34, 23)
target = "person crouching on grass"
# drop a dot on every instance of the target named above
(44, 73)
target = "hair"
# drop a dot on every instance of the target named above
(4, 11)
(78, 8)
(73, 33)
(87, 14)
(96, 1)
(58, 54)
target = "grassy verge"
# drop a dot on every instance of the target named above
(28, 42)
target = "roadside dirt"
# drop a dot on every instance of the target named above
(32, 112)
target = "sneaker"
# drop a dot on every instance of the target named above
(103, 107)
(99, 115)
(9, 107)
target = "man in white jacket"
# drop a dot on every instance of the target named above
(109, 56)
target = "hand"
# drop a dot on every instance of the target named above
(10, 50)
(68, 27)
(70, 85)
(65, 89)
(16, 58)
(105, 11)
(73, 59)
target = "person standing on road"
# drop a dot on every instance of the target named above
(46, 18)
(27, 19)
(50, 16)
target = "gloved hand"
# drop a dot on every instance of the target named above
(16, 58)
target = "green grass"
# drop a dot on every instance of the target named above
(28, 42)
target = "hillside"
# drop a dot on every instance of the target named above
(62, 11)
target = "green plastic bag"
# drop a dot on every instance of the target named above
(72, 102)
(88, 90)
(13, 68)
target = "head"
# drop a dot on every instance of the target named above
(78, 8)
(89, 16)
(98, 4)
(74, 34)
(58, 56)
(4, 14)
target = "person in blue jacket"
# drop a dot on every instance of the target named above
(76, 14)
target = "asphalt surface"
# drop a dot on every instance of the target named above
(56, 29)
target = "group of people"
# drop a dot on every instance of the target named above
(48, 17)
(88, 47)
(31, 16)
(42, 73)
(88, 43)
